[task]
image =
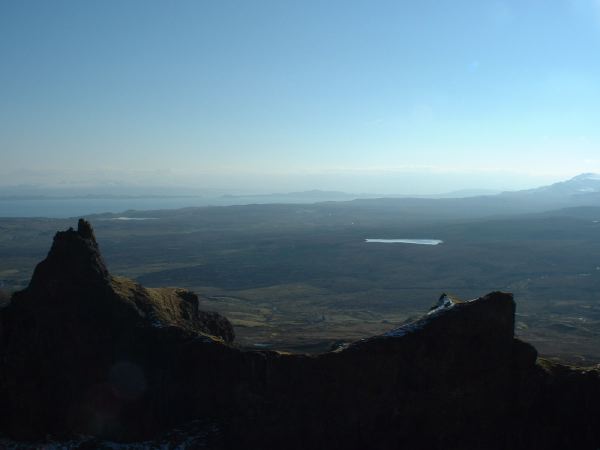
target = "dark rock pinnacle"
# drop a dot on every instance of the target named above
(82, 352)
(74, 260)
(85, 230)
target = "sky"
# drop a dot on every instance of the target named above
(361, 96)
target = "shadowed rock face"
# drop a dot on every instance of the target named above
(82, 352)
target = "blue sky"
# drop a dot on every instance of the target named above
(359, 96)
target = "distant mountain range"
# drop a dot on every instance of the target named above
(582, 190)
(581, 185)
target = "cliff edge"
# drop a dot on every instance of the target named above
(83, 352)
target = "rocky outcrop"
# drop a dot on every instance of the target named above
(82, 352)
(4, 298)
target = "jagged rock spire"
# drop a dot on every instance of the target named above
(85, 230)
(74, 259)
(84, 353)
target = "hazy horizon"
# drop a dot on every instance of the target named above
(381, 182)
(362, 97)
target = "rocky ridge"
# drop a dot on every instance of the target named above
(83, 352)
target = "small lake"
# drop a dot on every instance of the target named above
(406, 241)
(131, 218)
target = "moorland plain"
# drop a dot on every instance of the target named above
(302, 277)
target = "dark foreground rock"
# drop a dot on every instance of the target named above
(85, 353)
